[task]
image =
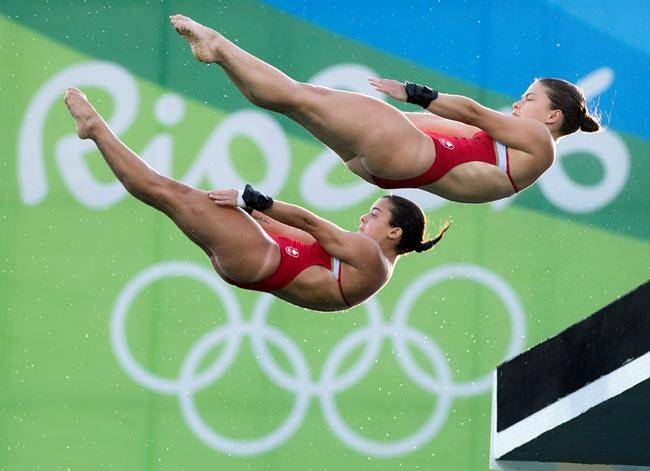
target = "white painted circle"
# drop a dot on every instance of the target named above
(169, 109)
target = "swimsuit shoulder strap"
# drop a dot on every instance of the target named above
(337, 266)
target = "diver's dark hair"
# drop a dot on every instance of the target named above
(571, 101)
(408, 216)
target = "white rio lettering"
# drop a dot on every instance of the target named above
(212, 161)
(32, 178)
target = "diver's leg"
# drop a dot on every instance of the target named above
(243, 251)
(351, 124)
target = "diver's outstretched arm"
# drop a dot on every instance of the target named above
(524, 134)
(272, 226)
(350, 247)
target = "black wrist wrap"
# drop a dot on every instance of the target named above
(420, 94)
(255, 199)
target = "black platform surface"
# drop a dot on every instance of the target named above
(615, 432)
(582, 396)
(584, 352)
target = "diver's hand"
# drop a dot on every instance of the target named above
(224, 197)
(248, 198)
(392, 88)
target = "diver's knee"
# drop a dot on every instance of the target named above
(308, 97)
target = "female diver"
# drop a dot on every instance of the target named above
(461, 150)
(282, 249)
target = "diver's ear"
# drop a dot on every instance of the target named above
(395, 233)
(554, 117)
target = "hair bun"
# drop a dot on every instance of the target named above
(589, 124)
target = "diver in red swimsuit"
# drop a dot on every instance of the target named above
(315, 255)
(296, 256)
(452, 152)
(387, 147)
(278, 247)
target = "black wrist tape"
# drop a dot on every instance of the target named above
(255, 199)
(420, 94)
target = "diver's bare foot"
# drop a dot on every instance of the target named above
(88, 120)
(203, 41)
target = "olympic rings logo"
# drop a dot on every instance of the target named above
(303, 384)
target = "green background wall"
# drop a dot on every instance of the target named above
(208, 376)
